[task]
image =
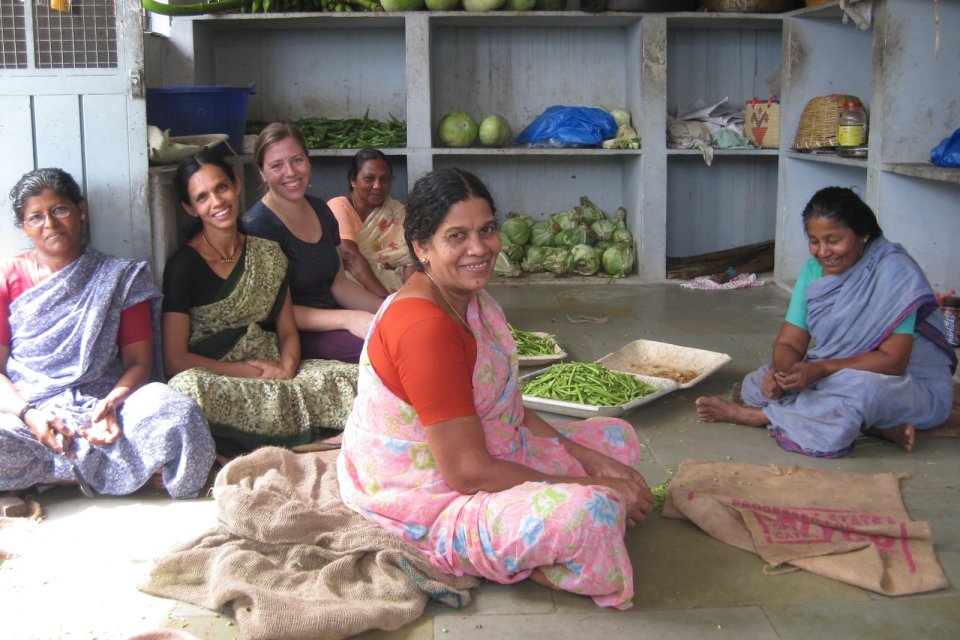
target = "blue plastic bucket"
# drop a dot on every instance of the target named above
(191, 111)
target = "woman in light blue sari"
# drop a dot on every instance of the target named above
(863, 347)
(78, 336)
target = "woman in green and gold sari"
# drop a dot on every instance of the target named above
(229, 338)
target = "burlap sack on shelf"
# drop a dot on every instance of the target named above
(847, 526)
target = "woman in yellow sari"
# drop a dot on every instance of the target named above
(372, 245)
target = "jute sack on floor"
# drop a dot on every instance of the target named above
(850, 527)
(288, 559)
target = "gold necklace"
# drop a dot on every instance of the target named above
(442, 295)
(227, 259)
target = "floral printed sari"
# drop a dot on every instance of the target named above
(573, 533)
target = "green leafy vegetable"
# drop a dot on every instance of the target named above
(505, 267)
(586, 259)
(617, 260)
(517, 230)
(541, 234)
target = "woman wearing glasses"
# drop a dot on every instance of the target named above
(77, 346)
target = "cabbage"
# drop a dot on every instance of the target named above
(603, 245)
(516, 230)
(541, 234)
(589, 212)
(622, 236)
(571, 237)
(526, 217)
(604, 229)
(558, 261)
(513, 251)
(565, 219)
(618, 260)
(586, 259)
(505, 266)
(533, 260)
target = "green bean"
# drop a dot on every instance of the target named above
(531, 344)
(587, 383)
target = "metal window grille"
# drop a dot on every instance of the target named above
(67, 34)
(85, 37)
(13, 35)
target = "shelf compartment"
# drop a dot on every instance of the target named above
(726, 205)
(518, 66)
(307, 65)
(721, 62)
(922, 215)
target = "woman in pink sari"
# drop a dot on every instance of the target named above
(438, 447)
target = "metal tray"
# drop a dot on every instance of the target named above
(684, 366)
(591, 411)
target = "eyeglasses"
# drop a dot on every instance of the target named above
(37, 219)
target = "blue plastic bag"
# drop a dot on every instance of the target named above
(947, 153)
(561, 126)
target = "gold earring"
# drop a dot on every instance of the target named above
(424, 260)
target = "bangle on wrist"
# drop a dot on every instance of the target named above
(23, 412)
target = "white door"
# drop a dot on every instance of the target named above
(71, 96)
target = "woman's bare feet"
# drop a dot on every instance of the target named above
(717, 409)
(904, 436)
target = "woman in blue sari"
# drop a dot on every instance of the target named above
(78, 334)
(863, 347)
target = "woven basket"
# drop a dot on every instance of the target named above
(750, 6)
(818, 122)
(761, 121)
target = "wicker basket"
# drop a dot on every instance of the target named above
(762, 122)
(750, 6)
(818, 122)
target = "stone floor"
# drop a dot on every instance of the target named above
(78, 575)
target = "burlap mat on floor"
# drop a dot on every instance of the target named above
(851, 527)
(291, 561)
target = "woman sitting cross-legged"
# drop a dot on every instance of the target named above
(78, 331)
(229, 338)
(371, 225)
(439, 448)
(862, 348)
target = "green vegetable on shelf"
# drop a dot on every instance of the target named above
(588, 384)
(348, 133)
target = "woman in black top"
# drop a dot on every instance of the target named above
(331, 312)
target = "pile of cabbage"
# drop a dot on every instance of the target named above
(580, 241)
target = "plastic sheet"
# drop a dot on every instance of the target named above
(560, 126)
